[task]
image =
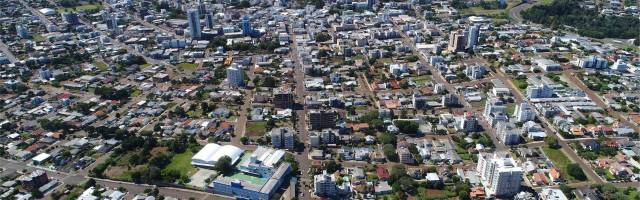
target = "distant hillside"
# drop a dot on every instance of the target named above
(588, 22)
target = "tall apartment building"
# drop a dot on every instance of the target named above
(324, 185)
(472, 36)
(194, 23)
(539, 90)
(283, 98)
(508, 133)
(524, 113)
(457, 42)
(467, 123)
(34, 180)
(283, 137)
(450, 100)
(235, 75)
(500, 174)
(321, 119)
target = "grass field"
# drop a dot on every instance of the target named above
(258, 128)
(181, 163)
(143, 66)
(80, 8)
(187, 66)
(559, 159)
(422, 79)
(100, 65)
(136, 93)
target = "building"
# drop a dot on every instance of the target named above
(45, 74)
(283, 137)
(547, 65)
(211, 153)
(552, 194)
(500, 174)
(475, 72)
(593, 62)
(22, 31)
(261, 162)
(321, 119)
(508, 133)
(450, 100)
(404, 154)
(419, 101)
(209, 21)
(70, 18)
(283, 98)
(324, 185)
(247, 30)
(524, 113)
(113, 23)
(472, 36)
(619, 66)
(539, 90)
(235, 75)
(249, 186)
(33, 180)
(457, 42)
(467, 123)
(193, 18)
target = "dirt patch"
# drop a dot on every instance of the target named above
(158, 150)
(116, 171)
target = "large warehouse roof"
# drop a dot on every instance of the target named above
(211, 153)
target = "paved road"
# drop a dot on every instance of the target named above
(514, 13)
(133, 188)
(304, 162)
(5, 49)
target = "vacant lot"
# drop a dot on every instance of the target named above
(256, 129)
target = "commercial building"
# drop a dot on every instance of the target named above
(321, 119)
(194, 23)
(33, 180)
(261, 162)
(552, 194)
(500, 174)
(246, 186)
(283, 137)
(235, 75)
(324, 137)
(247, 30)
(547, 65)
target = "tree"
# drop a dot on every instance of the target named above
(223, 166)
(390, 152)
(322, 37)
(576, 172)
(160, 161)
(332, 166)
(407, 127)
(387, 138)
(244, 140)
(552, 142)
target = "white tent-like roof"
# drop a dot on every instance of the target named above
(211, 153)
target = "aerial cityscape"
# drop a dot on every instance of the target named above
(319, 99)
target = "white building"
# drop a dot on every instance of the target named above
(211, 153)
(552, 194)
(547, 65)
(235, 75)
(398, 69)
(524, 112)
(507, 133)
(325, 184)
(539, 90)
(500, 174)
(262, 162)
(619, 66)
(593, 62)
(282, 137)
